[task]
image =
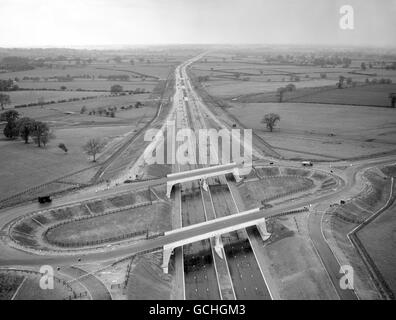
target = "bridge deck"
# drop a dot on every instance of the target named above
(201, 172)
(215, 227)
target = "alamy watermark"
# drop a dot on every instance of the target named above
(347, 20)
(198, 147)
(47, 278)
(346, 281)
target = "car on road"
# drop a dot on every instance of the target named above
(307, 164)
(44, 199)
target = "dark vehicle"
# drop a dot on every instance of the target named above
(265, 205)
(44, 199)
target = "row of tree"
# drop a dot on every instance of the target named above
(8, 85)
(26, 128)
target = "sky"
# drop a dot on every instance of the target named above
(68, 23)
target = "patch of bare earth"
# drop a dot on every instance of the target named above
(294, 266)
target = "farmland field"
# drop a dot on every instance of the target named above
(378, 240)
(8, 285)
(363, 95)
(155, 218)
(38, 165)
(330, 131)
(89, 85)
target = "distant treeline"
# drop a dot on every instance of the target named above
(17, 64)
(41, 103)
(8, 85)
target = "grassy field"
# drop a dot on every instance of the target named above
(378, 239)
(68, 113)
(253, 192)
(24, 166)
(31, 290)
(33, 96)
(147, 279)
(236, 78)
(9, 283)
(70, 127)
(155, 217)
(376, 95)
(329, 131)
(293, 264)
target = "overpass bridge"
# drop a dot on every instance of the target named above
(201, 174)
(213, 228)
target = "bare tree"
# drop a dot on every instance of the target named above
(41, 101)
(41, 133)
(93, 147)
(270, 120)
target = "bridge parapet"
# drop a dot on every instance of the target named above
(224, 226)
(201, 174)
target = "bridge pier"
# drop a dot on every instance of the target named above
(202, 174)
(169, 187)
(236, 175)
(206, 230)
(262, 228)
(168, 250)
(219, 246)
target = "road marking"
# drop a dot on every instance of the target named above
(222, 249)
(254, 253)
(19, 288)
(211, 248)
(321, 260)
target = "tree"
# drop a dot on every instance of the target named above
(281, 92)
(10, 130)
(63, 147)
(25, 128)
(290, 87)
(83, 110)
(340, 83)
(10, 115)
(41, 133)
(41, 101)
(4, 100)
(116, 88)
(47, 136)
(93, 147)
(392, 98)
(270, 120)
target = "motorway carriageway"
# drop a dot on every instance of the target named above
(247, 279)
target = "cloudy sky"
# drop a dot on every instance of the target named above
(115, 22)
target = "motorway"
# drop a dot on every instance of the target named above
(202, 282)
(246, 277)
